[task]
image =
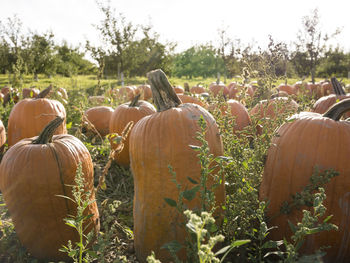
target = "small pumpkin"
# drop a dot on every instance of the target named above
(239, 111)
(29, 116)
(289, 89)
(179, 90)
(99, 118)
(309, 140)
(324, 103)
(218, 89)
(191, 99)
(198, 89)
(30, 92)
(33, 173)
(121, 116)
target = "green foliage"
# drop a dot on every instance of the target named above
(82, 200)
(198, 61)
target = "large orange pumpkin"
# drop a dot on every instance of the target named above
(157, 141)
(122, 115)
(33, 173)
(29, 116)
(307, 141)
(99, 117)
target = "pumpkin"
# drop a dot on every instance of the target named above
(157, 141)
(121, 116)
(2, 137)
(145, 91)
(33, 173)
(30, 92)
(191, 99)
(179, 90)
(63, 92)
(300, 87)
(29, 116)
(326, 88)
(267, 108)
(239, 111)
(309, 140)
(198, 89)
(289, 89)
(6, 90)
(314, 89)
(127, 92)
(99, 118)
(218, 89)
(324, 103)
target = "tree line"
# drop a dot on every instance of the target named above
(133, 50)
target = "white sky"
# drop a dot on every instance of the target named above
(186, 22)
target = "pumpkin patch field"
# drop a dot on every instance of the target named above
(167, 169)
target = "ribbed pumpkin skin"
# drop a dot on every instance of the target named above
(308, 141)
(31, 177)
(121, 116)
(100, 116)
(324, 103)
(287, 88)
(157, 141)
(29, 116)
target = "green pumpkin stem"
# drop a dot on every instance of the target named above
(47, 133)
(44, 93)
(337, 110)
(164, 96)
(135, 101)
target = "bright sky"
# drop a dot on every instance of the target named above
(188, 22)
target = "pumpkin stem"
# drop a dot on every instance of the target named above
(337, 110)
(163, 94)
(338, 89)
(44, 92)
(47, 133)
(135, 100)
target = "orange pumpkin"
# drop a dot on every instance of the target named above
(272, 107)
(179, 90)
(191, 99)
(146, 92)
(32, 174)
(218, 89)
(324, 103)
(157, 141)
(127, 92)
(198, 89)
(30, 92)
(99, 117)
(2, 137)
(29, 116)
(239, 111)
(307, 141)
(121, 116)
(289, 89)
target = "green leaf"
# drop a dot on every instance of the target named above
(191, 194)
(239, 243)
(195, 147)
(327, 219)
(272, 244)
(170, 202)
(172, 246)
(69, 125)
(192, 180)
(292, 227)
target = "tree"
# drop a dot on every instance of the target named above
(312, 41)
(118, 34)
(335, 63)
(198, 61)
